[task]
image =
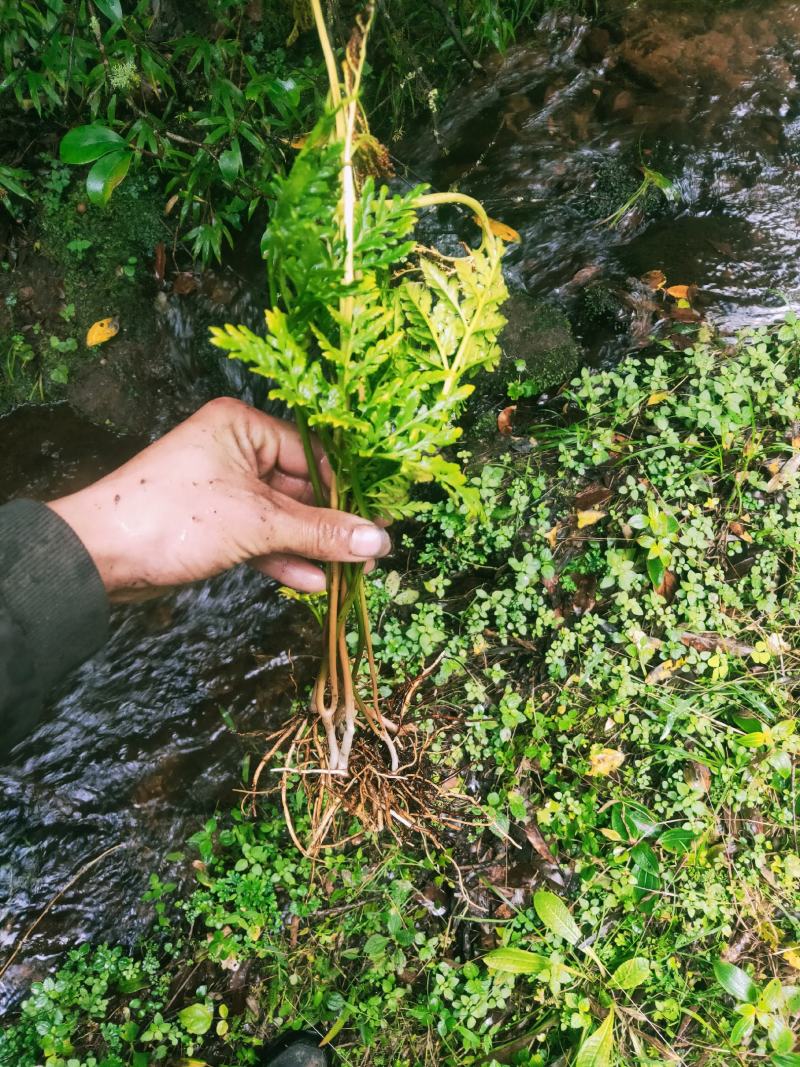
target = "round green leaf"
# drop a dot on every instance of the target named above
(596, 1050)
(516, 961)
(196, 1019)
(106, 174)
(631, 973)
(556, 917)
(85, 144)
(734, 981)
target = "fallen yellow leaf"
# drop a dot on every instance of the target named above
(656, 398)
(499, 229)
(552, 536)
(612, 835)
(589, 518)
(606, 761)
(792, 957)
(101, 331)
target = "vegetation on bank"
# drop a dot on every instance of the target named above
(607, 752)
(192, 109)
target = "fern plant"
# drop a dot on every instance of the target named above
(371, 341)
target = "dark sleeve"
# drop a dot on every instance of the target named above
(53, 611)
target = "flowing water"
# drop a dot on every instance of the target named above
(133, 753)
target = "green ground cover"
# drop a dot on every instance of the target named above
(610, 871)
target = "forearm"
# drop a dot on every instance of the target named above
(53, 611)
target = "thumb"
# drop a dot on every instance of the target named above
(324, 533)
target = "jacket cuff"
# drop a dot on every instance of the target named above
(51, 588)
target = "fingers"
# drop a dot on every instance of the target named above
(279, 446)
(299, 574)
(321, 533)
(297, 488)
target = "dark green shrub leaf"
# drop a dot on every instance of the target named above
(230, 162)
(112, 9)
(375, 946)
(106, 174)
(85, 144)
(678, 841)
(734, 981)
(644, 857)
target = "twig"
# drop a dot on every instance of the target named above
(75, 878)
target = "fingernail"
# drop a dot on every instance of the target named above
(368, 541)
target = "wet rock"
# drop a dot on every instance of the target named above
(538, 335)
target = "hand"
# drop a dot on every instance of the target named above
(230, 485)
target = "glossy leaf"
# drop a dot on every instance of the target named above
(736, 982)
(85, 144)
(106, 174)
(112, 9)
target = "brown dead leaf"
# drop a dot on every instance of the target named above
(714, 642)
(298, 142)
(656, 398)
(787, 471)
(655, 279)
(101, 331)
(173, 200)
(739, 531)
(684, 314)
(605, 762)
(664, 670)
(589, 518)
(697, 776)
(535, 838)
(552, 536)
(184, 283)
(667, 586)
(593, 496)
(160, 264)
(504, 420)
(585, 274)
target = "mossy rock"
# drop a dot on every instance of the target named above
(538, 349)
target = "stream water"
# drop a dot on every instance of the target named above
(134, 751)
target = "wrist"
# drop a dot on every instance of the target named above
(87, 516)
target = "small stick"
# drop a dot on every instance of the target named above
(75, 878)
